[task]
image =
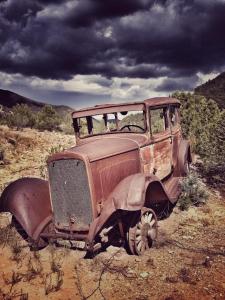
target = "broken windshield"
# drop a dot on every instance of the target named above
(125, 121)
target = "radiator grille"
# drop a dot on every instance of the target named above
(70, 192)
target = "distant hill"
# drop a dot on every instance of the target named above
(9, 99)
(214, 89)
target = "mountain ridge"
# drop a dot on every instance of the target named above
(213, 89)
(8, 99)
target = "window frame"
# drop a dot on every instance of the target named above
(77, 130)
(166, 121)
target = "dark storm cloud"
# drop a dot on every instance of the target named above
(175, 84)
(88, 11)
(129, 38)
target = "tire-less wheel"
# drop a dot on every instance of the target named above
(141, 235)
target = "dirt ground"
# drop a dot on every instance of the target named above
(187, 261)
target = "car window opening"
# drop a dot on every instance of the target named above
(117, 122)
(173, 116)
(159, 120)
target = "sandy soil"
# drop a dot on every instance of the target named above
(187, 261)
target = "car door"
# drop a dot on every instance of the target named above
(174, 118)
(161, 142)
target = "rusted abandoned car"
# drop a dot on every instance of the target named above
(122, 175)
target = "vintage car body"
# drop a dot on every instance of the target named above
(109, 187)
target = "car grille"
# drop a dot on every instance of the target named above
(70, 194)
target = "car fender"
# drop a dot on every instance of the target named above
(128, 195)
(184, 155)
(28, 200)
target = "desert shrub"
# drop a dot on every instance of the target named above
(34, 267)
(193, 192)
(203, 123)
(199, 119)
(54, 280)
(48, 119)
(20, 117)
(66, 125)
(7, 236)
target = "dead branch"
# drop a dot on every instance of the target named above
(106, 268)
(197, 250)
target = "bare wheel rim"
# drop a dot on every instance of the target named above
(145, 231)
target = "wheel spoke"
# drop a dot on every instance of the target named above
(139, 246)
(152, 233)
(143, 219)
(138, 231)
(149, 218)
(138, 238)
(143, 247)
(152, 222)
(146, 218)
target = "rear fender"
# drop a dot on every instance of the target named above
(28, 200)
(155, 192)
(184, 155)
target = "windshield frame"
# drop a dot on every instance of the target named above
(115, 111)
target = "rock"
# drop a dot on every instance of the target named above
(144, 275)
(130, 273)
(137, 259)
(207, 262)
(171, 279)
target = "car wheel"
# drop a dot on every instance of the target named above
(141, 236)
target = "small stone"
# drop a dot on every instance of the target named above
(130, 273)
(137, 259)
(172, 279)
(207, 263)
(144, 275)
(186, 237)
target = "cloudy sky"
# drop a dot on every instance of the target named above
(86, 52)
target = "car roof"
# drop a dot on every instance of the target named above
(110, 108)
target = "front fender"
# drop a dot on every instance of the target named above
(28, 200)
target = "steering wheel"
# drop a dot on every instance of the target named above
(128, 126)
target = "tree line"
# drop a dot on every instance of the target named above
(47, 118)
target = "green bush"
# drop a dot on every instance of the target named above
(203, 123)
(66, 125)
(48, 119)
(193, 192)
(20, 117)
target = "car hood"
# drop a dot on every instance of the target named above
(104, 147)
(99, 147)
